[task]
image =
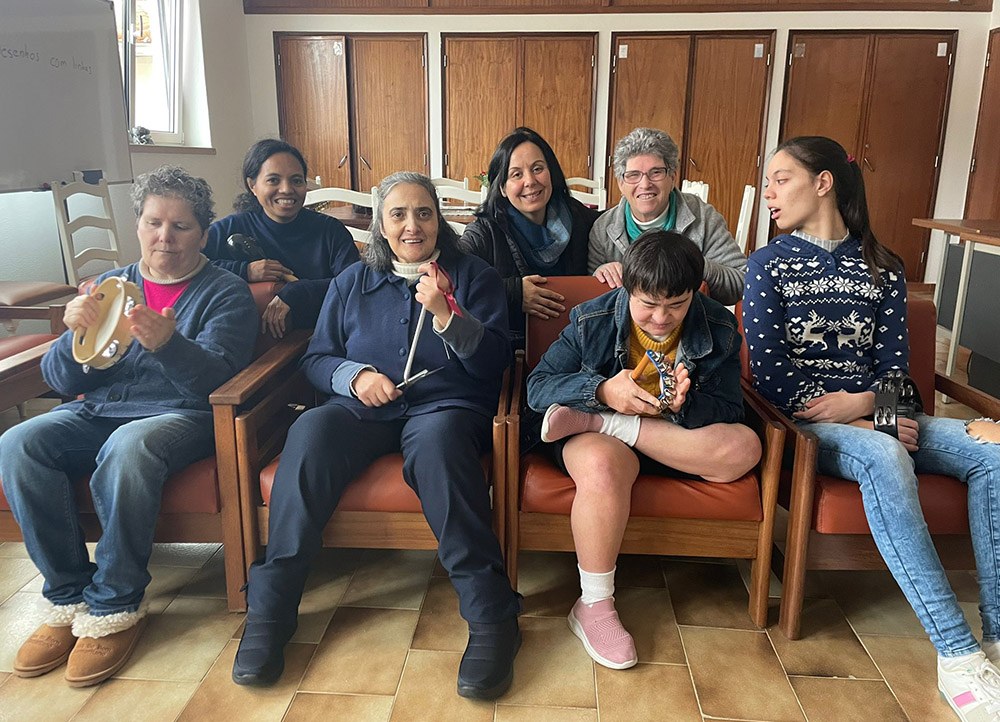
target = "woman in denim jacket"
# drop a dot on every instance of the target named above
(610, 427)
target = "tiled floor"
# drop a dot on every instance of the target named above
(380, 639)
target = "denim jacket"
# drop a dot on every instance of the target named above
(595, 346)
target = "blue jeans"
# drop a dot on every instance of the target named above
(130, 460)
(887, 474)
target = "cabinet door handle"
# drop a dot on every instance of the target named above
(342, 161)
(870, 166)
(695, 165)
(364, 161)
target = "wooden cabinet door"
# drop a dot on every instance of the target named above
(559, 74)
(389, 83)
(724, 130)
(649, 88)
(481, 87)
(902, 140)
(312, 103)
(826, 87)
(983, 199)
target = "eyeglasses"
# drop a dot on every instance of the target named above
(654, 174)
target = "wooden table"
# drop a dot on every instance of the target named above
(977, 235)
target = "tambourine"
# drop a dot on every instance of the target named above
(896, 396)
(101, 346)
(665, 368)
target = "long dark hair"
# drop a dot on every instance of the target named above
(253, 161)
(816, 154)
(495, 204)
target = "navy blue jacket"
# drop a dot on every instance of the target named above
(595, 346)
(368, 318)
(314, 246)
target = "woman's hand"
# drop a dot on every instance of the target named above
(375, 389)
(273, 320)
(267, 270)
(538, 301)
(840, 407)
(430, 295)
(82, 311)
(908, 430)
(610, 273)
(682, 384)
(624, 395)
(152, 329)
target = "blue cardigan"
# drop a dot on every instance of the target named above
(314, 246)
(214, 338)
(815, 323)
(368, 318)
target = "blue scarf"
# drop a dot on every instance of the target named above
(669, 221)
(542, 245)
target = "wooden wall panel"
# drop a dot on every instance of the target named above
(315, 122)
(983, 199)
(649, 88)
(389, 82)
(480, 98)
(558, 81)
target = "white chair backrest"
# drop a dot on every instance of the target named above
(597, 184)
(468, 197)
(450, 182)
(75, 261)
(341, 195)
(591, 199)
(459, 227)
(746, 214)
(695, 188)
(359, 235)
(597, 198)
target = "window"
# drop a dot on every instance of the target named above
(150, 56)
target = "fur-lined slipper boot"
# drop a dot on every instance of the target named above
(105, 644)
(51, 643)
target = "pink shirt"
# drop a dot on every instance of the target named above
(160, 295)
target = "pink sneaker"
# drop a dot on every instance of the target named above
(603, 636)
(562, 421)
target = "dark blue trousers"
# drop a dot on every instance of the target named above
(327, 447)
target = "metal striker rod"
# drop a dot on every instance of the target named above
(413, 345)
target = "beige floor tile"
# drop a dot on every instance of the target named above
(552, 668)
(19, 618)
(873, 603)
(390, 579)
(847, 700)
(362, 652)
(35, 585)
(513, 713)
(218, 697)
(971, 611)
(182, 642)
(440, 626)
(136, 700)
(646, 693)
(639, 570)
(325, 586)
(210, 580)
(708, 595)
(438, 570)
(828, 646)
(166, 584)
(737, 675)
(910, 668)
(183, 555)
(774, 584)
(427, 691)
(965, 586)
(549, 581)
(13, 550)
(649, 616)
(4, 676)
(311, 707)
(14, 574)
(41, 699)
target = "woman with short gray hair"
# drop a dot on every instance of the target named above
(646, 165)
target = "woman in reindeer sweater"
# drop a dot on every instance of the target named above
(825, 316)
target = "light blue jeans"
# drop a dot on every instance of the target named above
(887, 474)
(130, 461)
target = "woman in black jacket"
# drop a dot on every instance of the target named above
(529, 227)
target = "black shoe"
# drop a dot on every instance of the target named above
(488, 663)
(260, 659)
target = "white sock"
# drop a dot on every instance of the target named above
(992, 650)
(620, 426)
(596, 586)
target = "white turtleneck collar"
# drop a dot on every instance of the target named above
(409, 270)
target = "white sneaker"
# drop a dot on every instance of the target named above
(971, 687)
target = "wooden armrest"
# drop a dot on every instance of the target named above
(23, 360)
(52, 314)
(964, 394)
(503, 405)
(250, 380)
(518, 390)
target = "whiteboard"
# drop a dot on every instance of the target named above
(63, 107)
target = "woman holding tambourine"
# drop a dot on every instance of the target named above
(271, 237)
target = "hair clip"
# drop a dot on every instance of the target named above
(850, 158)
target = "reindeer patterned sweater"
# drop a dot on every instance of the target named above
(815, 323)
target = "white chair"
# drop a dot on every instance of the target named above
(468, 197)
(597, 198)
(746, 214)
(67, 228)
(459, 227)
(342, 195)
(359, 234)
(450, 183)
(695, 188)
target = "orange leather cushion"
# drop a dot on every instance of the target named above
(195, 489)
(546, 489)
(31, 293)
(16, 344)
(263, 292)
(837, 506)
